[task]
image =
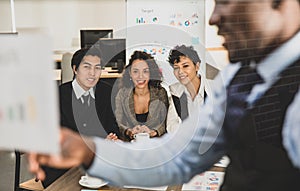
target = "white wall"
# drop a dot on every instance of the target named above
(63, 19)
(216, 55)
(212, 39)
(5, 16)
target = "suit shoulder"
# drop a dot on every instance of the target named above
(65, 87)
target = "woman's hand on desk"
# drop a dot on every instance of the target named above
(145, 129)
(75, 150)
(140, 129)
(131, 131)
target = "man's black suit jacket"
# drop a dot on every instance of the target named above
(104, 112)
(102, 102)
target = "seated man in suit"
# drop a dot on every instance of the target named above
(85, 102)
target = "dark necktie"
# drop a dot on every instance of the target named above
(237, 93)
(86, 99)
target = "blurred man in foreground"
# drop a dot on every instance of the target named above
(262, 38)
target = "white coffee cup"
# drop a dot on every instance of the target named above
(140, 137)
(91, 180)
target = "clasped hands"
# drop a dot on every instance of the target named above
(130, 132)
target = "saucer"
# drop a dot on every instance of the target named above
(98, 184)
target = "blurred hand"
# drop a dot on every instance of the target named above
(112, 137)
(130, 132)
(75, 150)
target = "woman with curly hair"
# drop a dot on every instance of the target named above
(142, 103)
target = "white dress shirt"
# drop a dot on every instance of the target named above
(177, 89)
(198, 143)
(79, 91)
(291, 131)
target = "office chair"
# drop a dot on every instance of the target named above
(66, 69)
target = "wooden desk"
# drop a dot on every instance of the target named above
(69, 182)
(31, 185)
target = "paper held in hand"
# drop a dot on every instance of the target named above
(28, 104)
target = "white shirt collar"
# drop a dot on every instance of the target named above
(201, 89)
(272, 65)
(79, 91)
(177, 89)
(282, 57)
(269, 68)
